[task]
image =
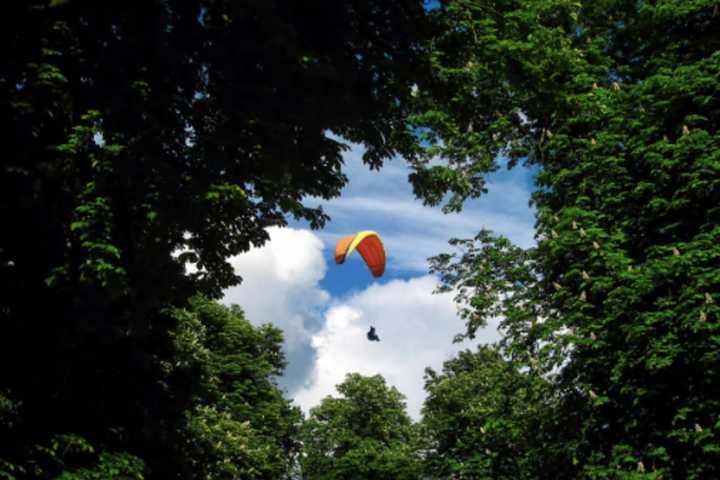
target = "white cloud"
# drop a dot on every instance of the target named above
(412, 233)
(280, 286)
(383, 201)
(325, 337)
(416, 329)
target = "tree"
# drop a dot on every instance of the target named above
(364, 434)
(616, 104)
(487, 418)
(141, 139)
(240, 425)
(501, 412)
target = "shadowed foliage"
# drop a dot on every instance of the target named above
(142, 137)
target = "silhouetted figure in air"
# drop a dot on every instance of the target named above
(372, 336)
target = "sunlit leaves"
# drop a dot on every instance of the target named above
(484, 418)
(364, 433)
(620, 113)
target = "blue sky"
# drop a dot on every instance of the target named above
(383, 201)
(325, 309)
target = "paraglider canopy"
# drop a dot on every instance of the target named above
(370, 246)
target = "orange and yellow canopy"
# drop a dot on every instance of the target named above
(370, 246)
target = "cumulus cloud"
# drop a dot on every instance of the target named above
(280, 286)
(325, 317)
(416, 329)
(325, 337)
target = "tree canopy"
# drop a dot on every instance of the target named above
(143, 139)
(487, 418)
(147, 144)
(616, 104)
(363, 434)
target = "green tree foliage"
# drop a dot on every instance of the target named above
(363, 434)
(497, 413)
(617, 105)
(140, 137)
(62, 456)
(487, 418)
(240, 425)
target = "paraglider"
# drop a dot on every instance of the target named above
(372, 336)
(370, 246)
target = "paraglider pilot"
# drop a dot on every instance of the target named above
(372, 336)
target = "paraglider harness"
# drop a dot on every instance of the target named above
(372, 336)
